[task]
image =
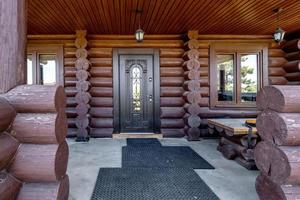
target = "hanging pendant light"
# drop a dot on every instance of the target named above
(279, 33)
(139, 33)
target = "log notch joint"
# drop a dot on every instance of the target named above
(82, 97)
(192, 93)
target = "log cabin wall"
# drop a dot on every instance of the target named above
(171, 72)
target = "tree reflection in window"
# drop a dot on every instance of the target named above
(136, 76)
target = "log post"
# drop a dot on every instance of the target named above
(82, 97)
(192, 95)
(278, 155)
(13, 43)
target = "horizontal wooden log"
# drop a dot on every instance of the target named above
(279, 98)
(171, 101)
(204, 102)
(48, 128)
(267, 189)
(171, 112)
(280, 163)
(7, 114)
(72, 123)
(100, 52)
(171, 62)
(292, 66)
(112, 43)
(171, 52)
(172, 133)
(8, 148)
(101, 82)
(101, 92)
(101, 132)
(69, 72)
(230, 149)
(70, 91)
(101, 62)
(37, 98)
(72, 132)
(71, 112)
(101, 72)
(171, 81)
(70, 81)
(210, 113)
(9, 186)
(191, 44)
(292, 77)
(172, 123)
(204, 71)
(102, 112)
(40, 163)
(276, 71)
(293, 83)
(276, 53)
(101, 123)
(292, 56)
(58, 190)
(275, 80)
(171, 91)
(292, 46)
(276, 62)
(171, 72)
(101, 102)
(280, 128)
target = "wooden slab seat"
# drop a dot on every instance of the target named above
(33, 150)
(277, 156)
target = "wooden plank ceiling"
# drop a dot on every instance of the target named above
(161, 16)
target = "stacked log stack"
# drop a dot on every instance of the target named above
(292, 67)
(33, 150)
(82, 97)
(192, 94)
(278, 155)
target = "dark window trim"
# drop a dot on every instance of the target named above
(236, 48)
(156, 79)
(37, 49)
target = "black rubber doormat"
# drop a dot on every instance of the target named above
(150, 184)
(163, 156)
(139, 142)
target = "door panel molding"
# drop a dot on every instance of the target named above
(156, 84)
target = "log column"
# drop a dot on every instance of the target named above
(82, 97)
(192, 94)
(278, 155)
(13, 43)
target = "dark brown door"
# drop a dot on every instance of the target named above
(136, 93)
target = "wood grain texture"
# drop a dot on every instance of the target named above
(7, 114)
(13, 43)
(9, 186)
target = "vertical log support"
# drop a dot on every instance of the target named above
(82, 97)
(192, 94)
(13, 43)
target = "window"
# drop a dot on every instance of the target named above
(45, 65)
(237, 73)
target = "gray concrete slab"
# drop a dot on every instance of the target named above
(229, 180)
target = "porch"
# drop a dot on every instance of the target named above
(79, 77)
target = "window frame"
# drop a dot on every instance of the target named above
(41, 49)
(237, 49)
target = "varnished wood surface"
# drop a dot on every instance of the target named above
(235, 126)
(161, 17)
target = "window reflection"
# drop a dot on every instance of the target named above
(29, 69)
(47, 69)
(225, 77)
(136, 76)
(248, 77)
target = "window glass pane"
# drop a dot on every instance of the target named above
(248, 77)
(225, 77)
(29, 69)
(47, 69)
(136, 77)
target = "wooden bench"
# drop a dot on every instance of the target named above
(237, 143)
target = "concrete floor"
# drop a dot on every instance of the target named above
(229, 180)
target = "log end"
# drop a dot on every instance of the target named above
(7, 114)
(61, 160)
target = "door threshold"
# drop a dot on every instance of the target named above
(137, 135)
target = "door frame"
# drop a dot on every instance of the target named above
(156, 84)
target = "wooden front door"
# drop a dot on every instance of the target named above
(136, 93)
(136, 83)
